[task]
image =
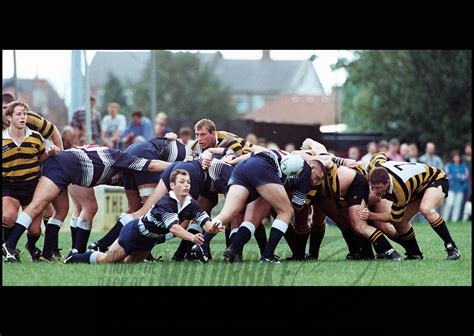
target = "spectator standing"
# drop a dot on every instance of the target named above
(382, 146)
(354, 153)
(393, 150)
(113, 126)
(138, 126)
(371, 149)
(413, 153)
(68, 137)
(185, 135)
(458, 175)
(78, 122)
(161, 127)
(405, 151)
(430, 158)
(466, 159)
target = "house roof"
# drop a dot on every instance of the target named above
(241, 76)
(257, 77)
(294, 109)
(131, 65)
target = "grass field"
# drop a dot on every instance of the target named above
(330, 270)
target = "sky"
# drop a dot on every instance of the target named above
(55, 65)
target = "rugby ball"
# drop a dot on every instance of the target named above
(291, 165)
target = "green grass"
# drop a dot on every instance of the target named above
(330, 270)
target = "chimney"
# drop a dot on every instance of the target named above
(265, 55)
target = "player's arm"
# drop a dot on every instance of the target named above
(315, 146)
(208, 227)
(366, 214)
(178, 231)
(57, 139)
(158, 166)
(49, 152)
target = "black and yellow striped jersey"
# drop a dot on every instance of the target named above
(407, 179)
(226, 140)
(21, 163)
(329, 186)
(37, 123)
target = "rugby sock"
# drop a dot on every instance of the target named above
(243, 235)
(73, 225)
(51, 237)
(350, 238)
(409, 243)
(440, 227)
(290, 238)
(381, 244)
(22, 223)
(300, 244)
(46, 219)
(207, 239)
(114, 232)
(279, 228)
(227, 236)
(232, 235)
(261, 237)
(31, 240)
(85, 257)
(5, 233)
(83, 231)
(315, 238)
(365, 247)
(160, 239)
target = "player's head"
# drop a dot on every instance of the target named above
(15, 114)
(205, 131)
(317, 170)
(180, 182)
(379, 181)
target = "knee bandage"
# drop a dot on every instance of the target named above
(144, 192)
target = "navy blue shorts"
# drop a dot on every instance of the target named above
(254, 172)
(131, 240)
(53, 170)
(146, 150)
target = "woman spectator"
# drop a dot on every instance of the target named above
(458, 175)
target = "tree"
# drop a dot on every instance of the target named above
(115, 92)
(185, 88)
(414, 95)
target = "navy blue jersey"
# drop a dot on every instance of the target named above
(92, 165)
(160, 149)
(219, 175)
(168, 212)
(299, 185)
(263, 168)
(199, 178)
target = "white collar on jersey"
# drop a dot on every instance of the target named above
(390, 189)
(187, 200)
(6, 135)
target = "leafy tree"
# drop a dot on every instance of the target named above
(185, 88)
(414, 95)
(115, 92)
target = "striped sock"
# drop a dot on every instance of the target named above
(380, 243)
(440, 227)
